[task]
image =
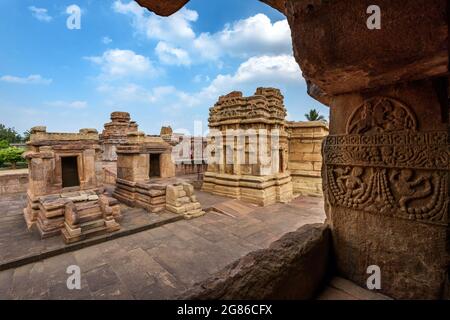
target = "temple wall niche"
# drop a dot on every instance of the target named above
(386, 166)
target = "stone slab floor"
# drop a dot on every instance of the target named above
(162, 262)
(17, 243)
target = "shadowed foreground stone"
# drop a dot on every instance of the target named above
(294, 267)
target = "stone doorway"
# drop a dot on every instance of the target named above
(69, 169)
(155, 169)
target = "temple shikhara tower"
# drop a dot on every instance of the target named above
(115, 133)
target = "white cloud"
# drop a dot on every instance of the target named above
(256, 35)
(167, 99)
(270, 71)
(31, 79)
(274, 71)
(106, 40)
(116, 63)
(134, 93)
(68, 104)
(40, 13)
(173, 56)
(176, 28)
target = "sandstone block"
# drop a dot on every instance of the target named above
(294, 267)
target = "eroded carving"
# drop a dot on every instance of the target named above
(385, 166)
(381, 114)
(424, 150)
(418, 195)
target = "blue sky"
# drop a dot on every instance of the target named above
(164, 71)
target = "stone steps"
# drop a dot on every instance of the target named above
(92, 224)
(94, 229)
(90, 215)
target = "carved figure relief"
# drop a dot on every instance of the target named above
(381, 114)
(385, 166)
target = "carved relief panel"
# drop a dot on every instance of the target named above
(384, 165)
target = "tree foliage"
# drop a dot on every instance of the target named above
(9, 134)
(4, 144)
(313, 115)
(26, 136)
(11, 155)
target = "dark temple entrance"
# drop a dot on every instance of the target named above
(69, 170)
(154, 166)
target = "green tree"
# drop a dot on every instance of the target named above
(11, 155)
(9, 134)
(313, 115)
(26, 136)
(2, 159)
(4, 144)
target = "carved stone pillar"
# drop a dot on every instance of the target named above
(385, 176)
(386, 161)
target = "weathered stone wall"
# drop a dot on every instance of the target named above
(109, 172)
(294, 267)
(187, 168)
(305, 156)
(189, 154)
(12, 182)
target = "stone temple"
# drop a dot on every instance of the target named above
(256, 155)
(141, 161)
(65, 192)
